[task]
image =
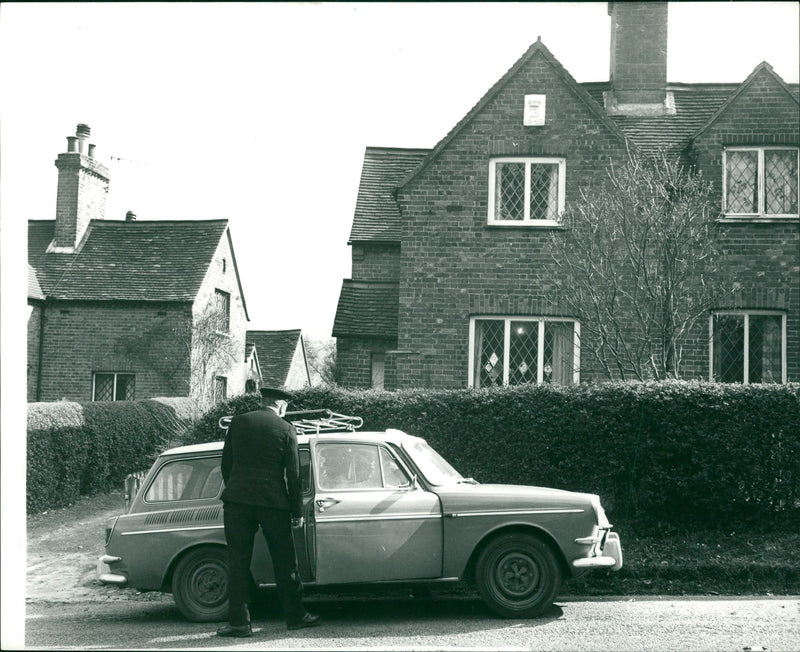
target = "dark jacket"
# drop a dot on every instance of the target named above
(260, 464)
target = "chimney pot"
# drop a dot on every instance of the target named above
(72, 143)
(130, 216)
(91, 150)
(82, 132)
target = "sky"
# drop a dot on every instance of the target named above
(259, 113)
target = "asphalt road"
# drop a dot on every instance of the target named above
(434, 623)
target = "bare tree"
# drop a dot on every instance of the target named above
(637, 262)
(321, 356)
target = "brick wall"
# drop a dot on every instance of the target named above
(762, 257)
(638, 47)
(455, 266)
(354, 360)
(81, 338)
(375, 262)
(82, 190)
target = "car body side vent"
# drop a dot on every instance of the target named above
(184, 515)
(158, 518)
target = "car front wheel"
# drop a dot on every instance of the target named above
(518, 576)
(200, 585)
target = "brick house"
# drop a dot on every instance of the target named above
(452, 277)
(283, 362)
(127, 309)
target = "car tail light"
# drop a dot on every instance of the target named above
(110, 528)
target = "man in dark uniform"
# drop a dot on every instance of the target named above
(261, 470)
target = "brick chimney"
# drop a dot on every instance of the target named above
(82, 189)
(638, 59)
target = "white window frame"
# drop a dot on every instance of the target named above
(576, 346)
(116, 374)
(529, 161)
(760, 149)
(747, 314)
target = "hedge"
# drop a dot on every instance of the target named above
(665, 455)
(76, 449)
(668, 455)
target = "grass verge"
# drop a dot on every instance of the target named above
(700, 563)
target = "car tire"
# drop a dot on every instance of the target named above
(200, 585)
(518, 576)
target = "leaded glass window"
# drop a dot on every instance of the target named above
(748, 347)
(761, 181)
(519, 350)
(110, 386)
(526, 190)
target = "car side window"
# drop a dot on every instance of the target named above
(393, 474)
(192, 479)
(357, 466)
(305, 470)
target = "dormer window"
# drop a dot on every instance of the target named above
(761, 182)
(525, 191)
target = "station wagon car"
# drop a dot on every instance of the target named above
(379, 507)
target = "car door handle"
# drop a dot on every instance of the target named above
(322, 503)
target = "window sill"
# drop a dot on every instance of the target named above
(532, 224)
(757, 219)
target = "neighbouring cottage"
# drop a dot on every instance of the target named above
(284, 362)
(452, 277)
(130, 309)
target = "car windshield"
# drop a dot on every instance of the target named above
(433, 466)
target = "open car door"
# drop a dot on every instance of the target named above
(372, 522)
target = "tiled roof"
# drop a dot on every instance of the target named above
(275, 350)
(695, 105)
(377, 217)
(127, 260)
(367, 309)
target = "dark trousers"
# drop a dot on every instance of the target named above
(241, 525)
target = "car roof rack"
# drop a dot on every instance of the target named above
(313, 421)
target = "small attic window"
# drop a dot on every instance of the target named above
(224, 265)
(533, 115)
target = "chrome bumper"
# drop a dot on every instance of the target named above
(610, 555)
(104, 574)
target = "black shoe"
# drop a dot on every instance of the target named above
(309, 620)
(237, 631)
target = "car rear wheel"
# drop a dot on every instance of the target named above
(200, 585)
(518, 576)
